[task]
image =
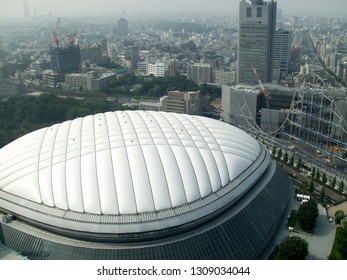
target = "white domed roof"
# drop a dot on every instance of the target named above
(127, 162)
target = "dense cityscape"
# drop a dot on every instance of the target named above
(279, 78)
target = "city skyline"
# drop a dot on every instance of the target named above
(14, 8)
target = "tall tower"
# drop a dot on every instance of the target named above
(281, 53)
(257, 25)
(26, 8)
(123, 26)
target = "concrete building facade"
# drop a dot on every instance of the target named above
(257, 23)
(182, 102)
(200, 73)
(89, 81)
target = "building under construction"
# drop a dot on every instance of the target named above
(65, 59)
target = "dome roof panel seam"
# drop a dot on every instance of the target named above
(142, 121)
(165, 121)
(177, 120)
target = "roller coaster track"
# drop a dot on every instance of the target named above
(313, 119)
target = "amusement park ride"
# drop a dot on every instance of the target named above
(314, 121)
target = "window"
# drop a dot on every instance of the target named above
(259, 12)
(249, 12)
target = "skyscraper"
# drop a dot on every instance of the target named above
(281, 53)
(257, 24)
(123, 26)
(26, 8)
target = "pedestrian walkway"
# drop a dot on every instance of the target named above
(322, 239)
(341, 206)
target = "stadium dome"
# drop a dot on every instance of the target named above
(144, 185)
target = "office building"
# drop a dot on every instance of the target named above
(225, 77)
(89, 81)
(140, 185)
(157, 69)
(282, 53)
(182, 102)
(123, 26)
(200, 73)
(257, 24)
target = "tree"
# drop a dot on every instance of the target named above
(341, 186)
(333, 183)
(307, 214)
(279, 155)
(304, 187)
(285, 157)
(274, 151)
(293, 248)
(342, 241)
(339, 214)
(291, 161)
(324, 179)
(311, 187)
(299, 164)
(313, 173)
(317, 175)
(322, 195)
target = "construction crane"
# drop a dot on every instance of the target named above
(55, 36)
(265, 92)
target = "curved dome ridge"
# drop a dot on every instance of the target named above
(126, 162)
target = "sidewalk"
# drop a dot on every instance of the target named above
(322, 239)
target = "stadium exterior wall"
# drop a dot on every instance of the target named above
(242, 231)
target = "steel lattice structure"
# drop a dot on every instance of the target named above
(315, 120)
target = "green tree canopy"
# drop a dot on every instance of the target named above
(285, 157)
(339, 214)
(293, 248)
(20, 115)
(342, 241)
(307, 214)
(311, 187)
(341, 186)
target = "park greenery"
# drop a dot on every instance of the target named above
(339, 250)
(292, 248)
(20, 115)
(339, 215)
(155, 87)
(307, 214)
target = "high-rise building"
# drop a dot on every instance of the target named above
(65, 59)
(26, 8)
(200, 73)
(282, 53)
(122, 26)
(257, 24)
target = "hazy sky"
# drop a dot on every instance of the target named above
(10, 8)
